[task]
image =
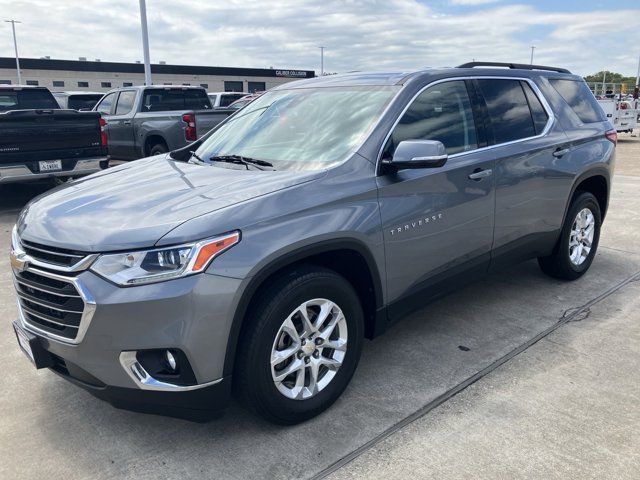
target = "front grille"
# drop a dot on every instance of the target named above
(53, 305)
(52, 255)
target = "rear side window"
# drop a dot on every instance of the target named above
(508, 108)
(538, 113)
(160, 99)
(85, 102)
(442, 112)
(27, 100)
(580, 99)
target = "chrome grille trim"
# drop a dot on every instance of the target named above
(85, 315)
(50, 292)
(31, 246)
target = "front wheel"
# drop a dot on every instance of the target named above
(301, 345)
(578, 241)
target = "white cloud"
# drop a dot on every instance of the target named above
(358, 34)
(472, 2)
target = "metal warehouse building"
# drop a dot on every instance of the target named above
(97, 76)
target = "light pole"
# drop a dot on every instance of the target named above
(636, 90)
(322, 60)
(145, 42)
(533, 47)
(15, 45)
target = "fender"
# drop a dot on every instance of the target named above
(289, 259)
(592, 172)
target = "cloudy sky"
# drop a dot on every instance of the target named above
(584, 35)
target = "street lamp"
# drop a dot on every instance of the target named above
(145, 42)
(322, 60)
(15, 45)
(532, 49)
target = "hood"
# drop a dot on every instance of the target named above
(136, 204)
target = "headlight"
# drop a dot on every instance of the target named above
(149, 266)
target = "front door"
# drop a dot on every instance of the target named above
(437, 221)
(120, 127)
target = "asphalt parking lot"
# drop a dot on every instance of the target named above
(545, 376)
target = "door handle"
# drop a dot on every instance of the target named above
(480, 174)
(560, 152)
(127, 122)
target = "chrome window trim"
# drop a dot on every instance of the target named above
(85, 319)
(531, 83)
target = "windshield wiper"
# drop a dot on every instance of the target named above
(240, 160)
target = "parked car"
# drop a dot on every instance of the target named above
(39, 140)
(143, 121)
(244, 101)
(325, 212)
(224, 99)
(84, 101)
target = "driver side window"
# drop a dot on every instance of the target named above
(442, 112)
(105, 105)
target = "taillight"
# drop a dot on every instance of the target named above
(612, 136)
(103, 132)
(190, 130)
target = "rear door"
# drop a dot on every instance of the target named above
(121, 129)
(530, 181)
(437, 221)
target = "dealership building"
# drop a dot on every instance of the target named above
(98, 76)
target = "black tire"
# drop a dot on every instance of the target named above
(253, 382)
(158, 149)
(559, 264)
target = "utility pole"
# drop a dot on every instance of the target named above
(533, 47)
(15, 46)
(604, 85)
(322, 60)
(145, 42)
(635, 90)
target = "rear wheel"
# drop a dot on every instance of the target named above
(578, 242)
(158, 149)
(301, 345)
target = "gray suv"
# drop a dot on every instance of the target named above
(258, 259)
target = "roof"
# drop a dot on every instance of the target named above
(121, 67)
(400, 78)
(77, 92)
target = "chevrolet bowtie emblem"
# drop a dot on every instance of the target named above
(18, 261)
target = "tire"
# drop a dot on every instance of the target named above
(255, 384)
(560, 263)
(158, 149)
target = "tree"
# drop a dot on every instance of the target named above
(612, 77)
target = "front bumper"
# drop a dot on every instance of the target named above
(21, 173)
(191, 314)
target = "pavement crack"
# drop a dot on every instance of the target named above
(570, 315)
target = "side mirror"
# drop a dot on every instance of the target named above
(418, 154)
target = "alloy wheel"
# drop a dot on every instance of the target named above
(309, 349)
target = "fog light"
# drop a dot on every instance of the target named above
(171, 360)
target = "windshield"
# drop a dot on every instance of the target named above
(300, 129)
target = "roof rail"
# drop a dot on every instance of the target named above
(520, 66)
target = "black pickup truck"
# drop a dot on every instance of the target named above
(40, 140)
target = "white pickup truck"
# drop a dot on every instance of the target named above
(622, 114)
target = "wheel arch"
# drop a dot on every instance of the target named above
(596, 181)
(347, 257)
(151, 139)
